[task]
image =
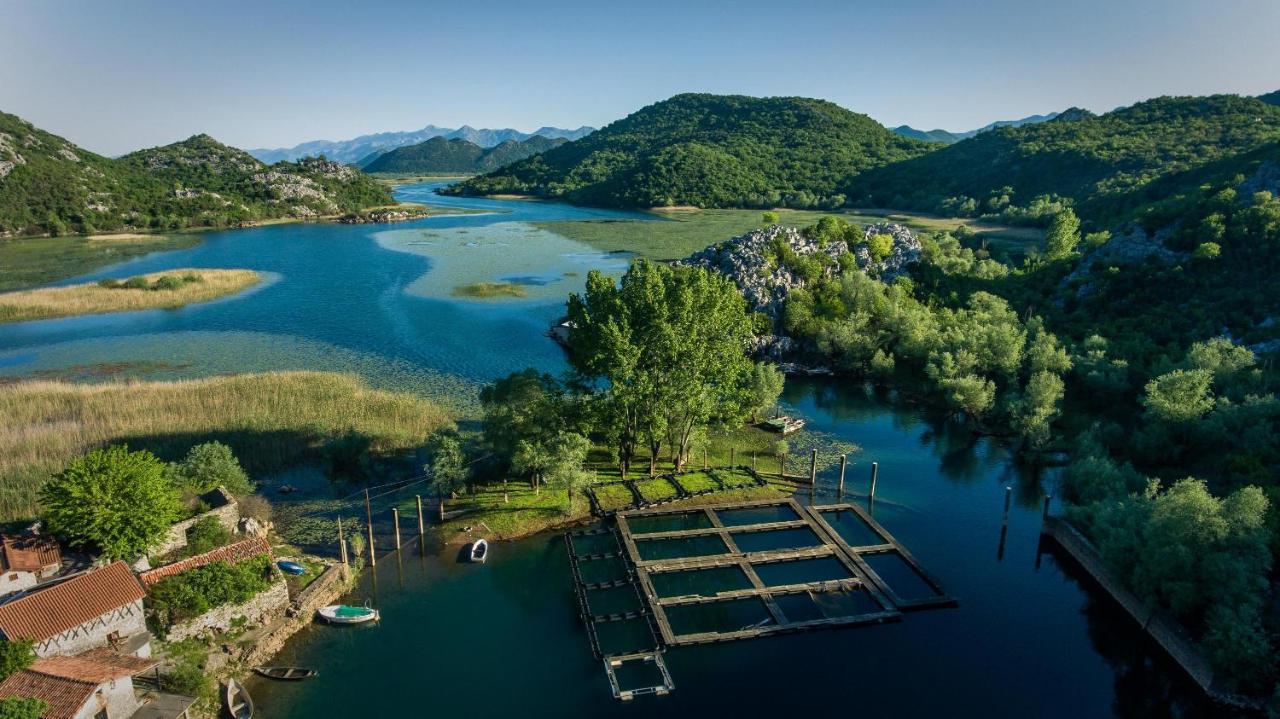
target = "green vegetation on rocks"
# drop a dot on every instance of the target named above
(458, 156)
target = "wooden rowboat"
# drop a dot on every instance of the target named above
(239, 703)
(286, 674)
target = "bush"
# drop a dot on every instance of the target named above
(255, 506)
(192, 593)
(113, 500)
(168, 282)
(211, 465)
(21, 708)
(109, 283)
(206, 534)
(136, 283)
(16, 655)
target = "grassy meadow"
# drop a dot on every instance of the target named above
(31, 261)
(680, 232)
(272, 421)
(181, 287)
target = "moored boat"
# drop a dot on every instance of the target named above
(286, 674)
(291, 567)
(479, 550)
(784, 424)
(347, 614)
(239, 703)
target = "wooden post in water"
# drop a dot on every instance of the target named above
(1008, 498)
(875, 473)
(422, 524)
(342, 543)
(395, 519)
(1045, 513)
(844, 459)
(368, 515)
(813, 469)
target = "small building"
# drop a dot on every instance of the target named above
(97, 684)
(98, 608)
(27, 561)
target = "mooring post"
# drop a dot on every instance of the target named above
(753, 461)
(504, 491)
(875, 473)
(844, 459)
(1008, 498)
(368, 516)
(395, 519)
(813, 469)
(705, 465)
(442, 508)
(342, 543)
(732, 451)
(1044, 515)
(422, 524)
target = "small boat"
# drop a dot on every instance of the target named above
(784, 424)
(291, 567)
(347, 614)
(479, 551)
(239, 703)
(285, 674)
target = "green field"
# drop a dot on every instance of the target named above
(678, 233)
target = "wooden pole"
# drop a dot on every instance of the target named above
(1045, 513)
(875, 473)
(395, 519)
(705, 465)
(813, 469)
(368, 515)
(342, 543)
(731, 457)
(844, 459)
(753, 461)
(422, 524)
(442, 508)
(782, 465)
(1008, 498)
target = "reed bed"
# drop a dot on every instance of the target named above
(272, 421)
(93, 298)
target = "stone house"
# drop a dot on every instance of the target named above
(97, 608)
(27, 561)
(97, 684)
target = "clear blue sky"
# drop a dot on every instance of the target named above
(116, 76)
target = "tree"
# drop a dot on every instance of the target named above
(212, 465)
(879, 247)
(1180, 396)
(1038, 407)
(116, 501)
(1063, 235)
(22, 708)
(16, 655)
(765, 387)
(533, 459)
(769, 218)
(1207, 251)
(447, 467)
(665, 351)
(569, 452)
(525, 405)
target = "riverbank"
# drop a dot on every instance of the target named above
(166, 290)
(32, 261)
(272, 421)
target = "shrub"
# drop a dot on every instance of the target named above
(109, 283)
(168, 282)
(206, 534)
(255, 506)
(192, 593)
(879, 247)
(136, 283)
(114, 500)
(16, 655)
(1208, 251)
(21, 708)
(211, 465)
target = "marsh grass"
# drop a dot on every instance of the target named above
(30, 261)
(159, 290)
(485, 290)
(271, 421)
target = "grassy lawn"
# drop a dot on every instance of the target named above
(735, 478)
(697, 481)
(32, 261)
(524, 511)
(271, 421)
(187, 286)
(613, 496)
(655, 489)
(678, 233)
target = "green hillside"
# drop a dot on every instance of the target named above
(711, 151)
(438, 156)
(50, 186)
(1096, 162)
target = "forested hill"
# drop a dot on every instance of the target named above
(711, 151)
(49, 185)
(439, 155)
(1098, 162)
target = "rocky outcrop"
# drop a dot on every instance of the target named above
(385, 215)
(1132, 246)
(758, 264)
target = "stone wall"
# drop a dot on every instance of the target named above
(125, 621)
(265, 607)
(320, 592)
(225, 509)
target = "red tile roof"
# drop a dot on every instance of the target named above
(96, 666)
(49, 611)
(30, 554)
(233, 553)
(64, 696)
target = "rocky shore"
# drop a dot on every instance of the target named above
(397, 214)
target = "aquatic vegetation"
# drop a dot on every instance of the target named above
(485, 290)
(159, 290)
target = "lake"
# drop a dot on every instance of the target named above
(1029, 638)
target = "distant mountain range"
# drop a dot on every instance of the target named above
(362, 150)
(948, 137)
(439, 155)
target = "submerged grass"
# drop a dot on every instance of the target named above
(159, 290)
(485, 290)
(31, 261)
(272, 421)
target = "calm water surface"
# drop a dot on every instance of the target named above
(1029, 639)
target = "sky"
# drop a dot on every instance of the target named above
(117, 76)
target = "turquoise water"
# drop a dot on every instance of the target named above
(1029, 639)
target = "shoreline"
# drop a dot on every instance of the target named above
(165, 290)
